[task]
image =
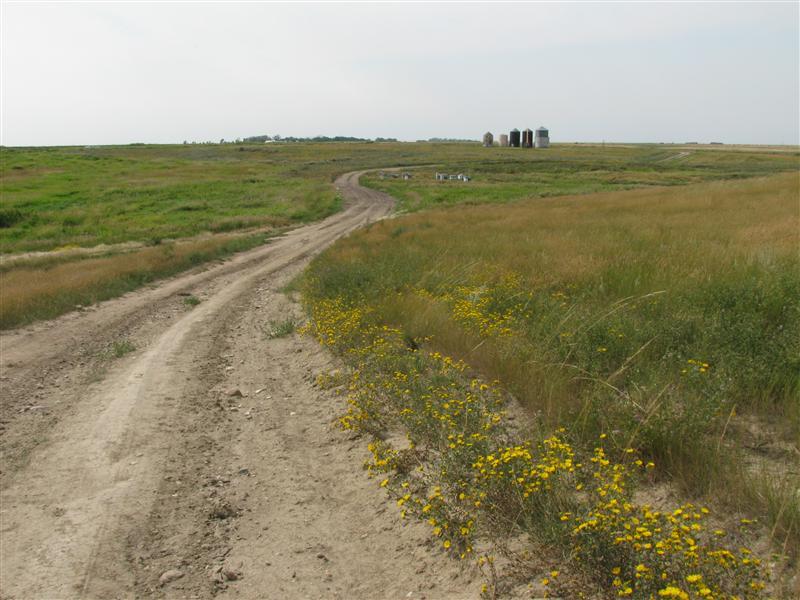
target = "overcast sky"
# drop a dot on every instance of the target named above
(105, 72)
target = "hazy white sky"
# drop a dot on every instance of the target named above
(113, 72)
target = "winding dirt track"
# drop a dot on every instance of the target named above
(203, 463)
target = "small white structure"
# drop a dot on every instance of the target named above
(448, 177)
(542, 139)
(504, 140)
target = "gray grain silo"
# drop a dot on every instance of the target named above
(527, 138)
(513, 138)
(542, 138)
(488, 139)
(504, 140)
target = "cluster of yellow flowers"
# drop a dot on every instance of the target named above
(384, 457)
(644, 551)
(334, 322)
(463, 472)
(695, 366)
(487, 310)
(523, 473)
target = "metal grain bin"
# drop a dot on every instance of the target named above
(527, 139)
(542, 138)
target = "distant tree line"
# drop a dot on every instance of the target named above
(436, 139)
(318, 138)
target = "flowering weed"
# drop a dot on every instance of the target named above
(443, 450)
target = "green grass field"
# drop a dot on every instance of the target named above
(503, 175)
(53, 197)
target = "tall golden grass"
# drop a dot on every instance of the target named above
(27, 294)
(692, 231)
(707, 272)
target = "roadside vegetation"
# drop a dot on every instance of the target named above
(191, 301)
(650, 338)
(279, 329)
(122, 347)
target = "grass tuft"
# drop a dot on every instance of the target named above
(280, 329)
(122, 347)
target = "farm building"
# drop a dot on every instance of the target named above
(513, 138)
(488, 139)
(504, 140)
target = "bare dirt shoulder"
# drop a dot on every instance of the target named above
(204, 461)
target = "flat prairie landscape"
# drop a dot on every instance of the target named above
(83, 224)
(576, 371)
(85, 196)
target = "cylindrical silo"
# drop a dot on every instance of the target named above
(527, 138)
(542, 138)
(513, 138)
(504, 140)
(488, 139)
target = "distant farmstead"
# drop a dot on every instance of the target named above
(517, 139)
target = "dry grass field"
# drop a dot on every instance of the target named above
(662, 321)
(46, 287)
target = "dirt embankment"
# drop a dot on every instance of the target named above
(203, 462)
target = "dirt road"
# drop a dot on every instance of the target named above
(203, 462)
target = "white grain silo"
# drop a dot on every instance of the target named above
(504, 140)
(488, 139)
(542, 138)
